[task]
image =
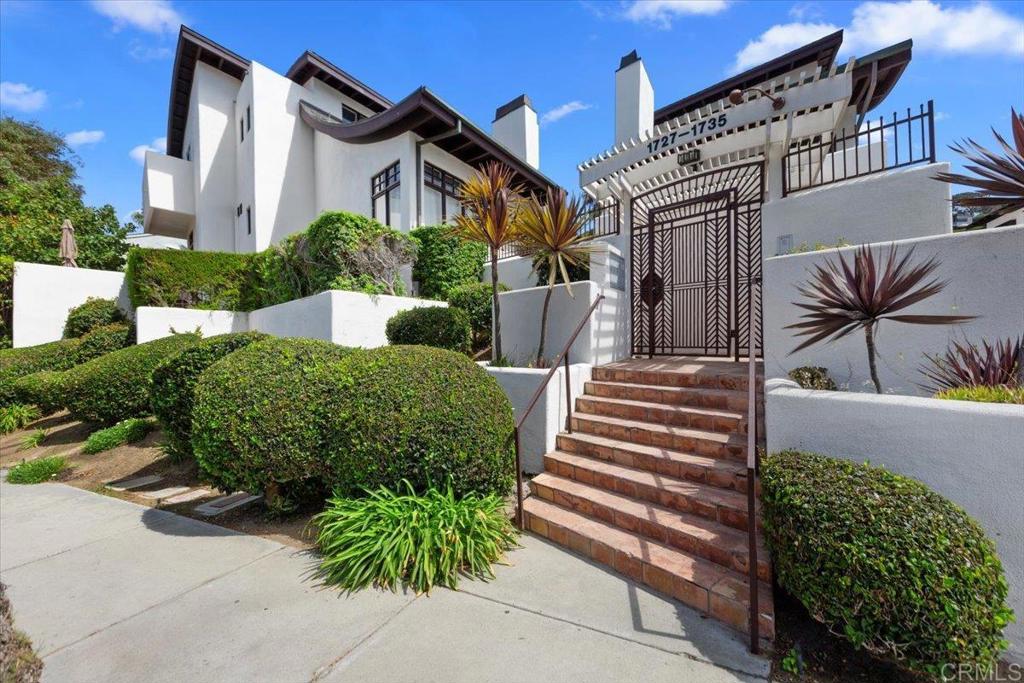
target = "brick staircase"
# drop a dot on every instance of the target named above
(652, 482)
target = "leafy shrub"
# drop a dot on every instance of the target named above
(185, 278)
(809, 377)
(103, 340)
(126, 431)
(476, 300)
(15, 363)
(984, 394)
(388, 538)
(95, 312)
(6, 300)
(37, 471)
(115, 386)
(444, 261)
(33, 439)
(258, 416)
(43, 389)
(421, 414)
(884, 561)
(174, 380)
(16, 416)
(445, 328)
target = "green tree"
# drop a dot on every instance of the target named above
(38, 190)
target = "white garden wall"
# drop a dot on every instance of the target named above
(155, 322)
(985, 274)
(969, 452)
(514, 273)
(44, 294)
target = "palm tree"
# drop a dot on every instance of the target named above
(552, 233)
(490, 198)
(845, 298)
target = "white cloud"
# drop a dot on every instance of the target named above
(941, 116)
(21, 97)
(145, 53)
(139, 151)
(84, 137)
(778, 40)
(154, 16)
(563, 110)
(662, 12)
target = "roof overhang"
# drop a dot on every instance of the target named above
(876, 74)
(192, 49)
(311, 65)
(427, 115)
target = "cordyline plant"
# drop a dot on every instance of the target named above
(999, 177)
(847, 297)
(965, 365)
(552, 233)
(490, 198)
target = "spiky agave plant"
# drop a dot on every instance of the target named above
(845, 298)
(998, 177)
(965, 365)
(552, 232)
(490, 198)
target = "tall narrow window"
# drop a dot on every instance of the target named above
(385, 194)
(248, 118)
(241, 130)
(440, 195)
(248, 220)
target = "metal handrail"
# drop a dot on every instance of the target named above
(755, 644)
(564, 355)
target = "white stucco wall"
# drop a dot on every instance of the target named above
(985, 274)
(514, 273)
(893, 205)
(968, 452)
(214, 143)
(156, 322)
(547, 418)
(44, 294)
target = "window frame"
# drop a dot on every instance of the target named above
(248, 220)
(381, 184)
(447, 184)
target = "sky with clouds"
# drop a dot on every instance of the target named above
(99, 72)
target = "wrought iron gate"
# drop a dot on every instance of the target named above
(695, 249)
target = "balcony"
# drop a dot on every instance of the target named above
(168, 196)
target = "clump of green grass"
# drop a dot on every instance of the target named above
(390, 538)
(126, 431)
(33, 440)
(15, 416)
(984, 394)
(36, 471)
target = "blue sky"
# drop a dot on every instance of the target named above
(99, 72)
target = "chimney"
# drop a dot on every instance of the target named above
(634, 99)
(515, 126)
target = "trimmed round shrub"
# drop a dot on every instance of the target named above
(476, 299)
(884, 560)
(172, 391)
(421, 414)
(115, 386)
(15, 363)
(103, 340)
(445, 328)
(259, 413)
(44, 390)
(444, 261)
(93, 313)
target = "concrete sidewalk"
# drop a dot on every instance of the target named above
(111, 591)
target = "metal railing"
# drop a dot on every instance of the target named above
(562, 357)
(876, 146)
(755, 624)
(605, 222)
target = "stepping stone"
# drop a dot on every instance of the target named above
(225, 503)
(165, 493)
(133, 483)
(194, 494)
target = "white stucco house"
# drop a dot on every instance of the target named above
(254, 156)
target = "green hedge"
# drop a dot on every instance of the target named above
(477, 300)
(6, 300)
(421, 414)
(445, 328)
(43, 389)
(881, 558)
(444, 262)
(115, 386)
(174, 380)
(187, 279)
(259, 413)
(94, 313)
(103, 340)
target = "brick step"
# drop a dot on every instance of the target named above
(732, 377)
(708, 419)
(710, 502)
(699, 441)
(696, 582)
(723, 473)
(719, 399)
(692, 534)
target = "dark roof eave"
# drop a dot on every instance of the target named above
(892, 61)
(311, 65)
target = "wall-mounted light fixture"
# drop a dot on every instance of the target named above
(736, 97)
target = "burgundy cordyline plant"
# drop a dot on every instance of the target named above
(965, 365)
(846, 297)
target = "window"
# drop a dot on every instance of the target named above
(384, 192)
(241, 130)
(248, 220)
(440, 195)
(248, 118)
(350, 115)
(188, 153)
